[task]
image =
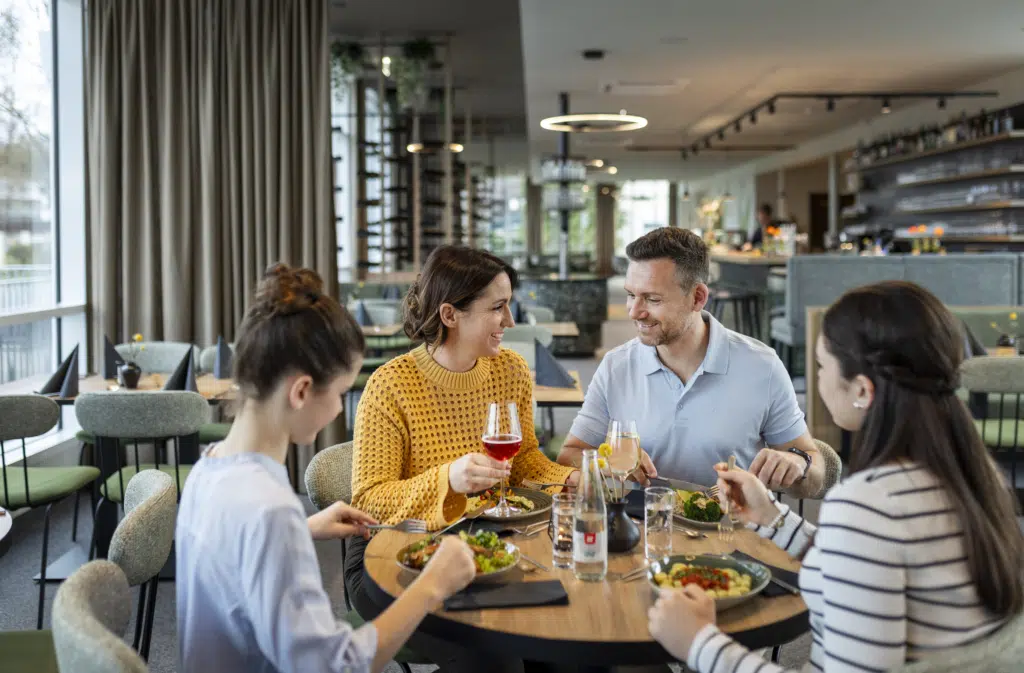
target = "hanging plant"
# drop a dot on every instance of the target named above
(410, 72)
(347, 59)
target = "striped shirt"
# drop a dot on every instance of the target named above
(886, 579)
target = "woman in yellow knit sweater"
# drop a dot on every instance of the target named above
(418, 448)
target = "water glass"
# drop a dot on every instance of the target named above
(659, 506)
(563, 521)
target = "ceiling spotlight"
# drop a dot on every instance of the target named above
(593, 123)
(606, 191)
(737, 126)
(686, 194)
(771, 107)
(586, 188)
(595, 163)
(885, 106)
(753, 117)
(683, 155)
(430, 147)
(728, 196)
(830, 104)
(721, 135)
(695, 149)
(385, 66)
(942, 103)
(707, 143)
(612, 170)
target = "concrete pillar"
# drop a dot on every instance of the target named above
(605, 226)
(673, 204)
(534, 218)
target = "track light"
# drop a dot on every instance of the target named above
(830, 104)
(885, 106)
(942, 103)
(721, 135)
(683, 155)
(695, 149)
(686, 194)
(737, 126)
(753, 118)
(707, 143)
(771, 107)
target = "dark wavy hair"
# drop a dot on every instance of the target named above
(453, 274)
(902, 338)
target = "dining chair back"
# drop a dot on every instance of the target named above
(156, 357)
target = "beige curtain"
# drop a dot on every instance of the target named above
(209, 158)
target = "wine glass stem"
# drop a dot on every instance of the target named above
(502, 505)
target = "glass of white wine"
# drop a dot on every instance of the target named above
(625, 456)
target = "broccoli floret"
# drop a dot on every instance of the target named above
(699, 508)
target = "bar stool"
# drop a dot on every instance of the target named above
(746, 309)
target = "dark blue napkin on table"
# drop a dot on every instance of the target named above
(549, 371)
(363, 316)
(222, 363)
(111, 359)
(64, 382)
(512, 595)
(184, 376)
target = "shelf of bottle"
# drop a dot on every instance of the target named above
(995, 205)
(946, 149)
(994, 173)
(962, 238)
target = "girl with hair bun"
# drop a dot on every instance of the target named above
(249, 590)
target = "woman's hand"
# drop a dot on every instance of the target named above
(677, 618)
(338, 522)
(749, 498)
(451, 569)
(476, 472)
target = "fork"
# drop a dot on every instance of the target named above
(530, 483)
(465, 517)
(725, 527)
(404, 526)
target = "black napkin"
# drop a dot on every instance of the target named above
(512, 595)
(363, 316)
(111, 359)
(184, 377)
(64, 382)
(392, 292)
(222, 364)
(772, 590)
(635, 503)
(549, 372)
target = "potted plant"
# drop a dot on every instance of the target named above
(410, 73)
(347, 59)
(128, 374)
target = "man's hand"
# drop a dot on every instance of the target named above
(646, 470)
(778, 469)
(338, 522)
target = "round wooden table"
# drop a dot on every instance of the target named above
(605, 623)
(6, 523)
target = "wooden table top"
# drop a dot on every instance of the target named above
(6, 524)
(382, 330)
(561, 329)
(604, 619)
(547, 396)
(209, 386)
(1003, 352)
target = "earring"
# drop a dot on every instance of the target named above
(859, 405)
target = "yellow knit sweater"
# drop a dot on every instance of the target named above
(416, 418)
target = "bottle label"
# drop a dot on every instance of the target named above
(589, 547)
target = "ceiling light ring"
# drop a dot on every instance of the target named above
(582, 123)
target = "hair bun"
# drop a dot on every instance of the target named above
(285, 290)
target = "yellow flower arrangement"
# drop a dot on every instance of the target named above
(604, 450)
(135, 346)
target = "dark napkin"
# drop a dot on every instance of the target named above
(512, 595)
(772, 590)
(550, 371)
(363, 316)
(64, 382)
(635, 503)
(184, 376)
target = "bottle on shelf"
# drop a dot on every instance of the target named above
(590, 535)
(1007, 124)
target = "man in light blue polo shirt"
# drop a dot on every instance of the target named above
(697, 390)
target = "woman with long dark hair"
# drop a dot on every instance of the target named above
(918, 551)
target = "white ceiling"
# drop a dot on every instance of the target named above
(723, 56)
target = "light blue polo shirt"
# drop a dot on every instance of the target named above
(739, 400)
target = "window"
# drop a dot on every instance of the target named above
(342, 128)
(42, 187)
(643, 206)
(582, 228)
(508, 215)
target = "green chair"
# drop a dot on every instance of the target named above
(129, 418)
(21, 417)
(329, 479)
(28, 652)
(1003, 377)
(90, 614)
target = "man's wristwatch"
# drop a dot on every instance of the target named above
(806, 456)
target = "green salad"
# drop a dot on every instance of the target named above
(696, 507)
(489, 552)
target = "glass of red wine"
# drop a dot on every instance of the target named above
(502, 439)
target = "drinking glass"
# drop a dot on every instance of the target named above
(625, 457)
(502, 439)
(659, 506)
(563, 521)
